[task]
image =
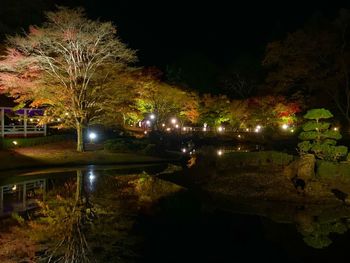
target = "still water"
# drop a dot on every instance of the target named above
(128, 214)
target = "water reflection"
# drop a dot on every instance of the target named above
(21, 196)
(112, 215)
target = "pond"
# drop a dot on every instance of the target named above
(128, 214)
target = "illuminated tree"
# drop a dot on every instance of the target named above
(214, 110)
(314, 60)
(318, 138)
(160, 98)
(66, 65)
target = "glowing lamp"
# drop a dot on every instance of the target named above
(152, 116)
(183, 150)
(220, 129)
(173, 120)
(92, 136)
(285, 126)
(15, 142)
(219, 152)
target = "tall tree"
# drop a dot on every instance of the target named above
(315, 61)
(65, 65)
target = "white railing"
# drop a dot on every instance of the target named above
(24, 128)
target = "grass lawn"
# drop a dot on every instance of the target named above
(64, 154)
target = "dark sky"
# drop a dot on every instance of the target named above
(164, 31)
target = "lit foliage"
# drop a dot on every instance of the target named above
(162, 99)
(272, 111)
(65, 65)
(318, 138)
(214, 110)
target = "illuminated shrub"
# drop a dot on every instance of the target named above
(318, 139)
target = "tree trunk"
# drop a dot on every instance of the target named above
(80, 138)
(80, 184)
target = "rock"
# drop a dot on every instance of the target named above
(306, 167)
(291, 170)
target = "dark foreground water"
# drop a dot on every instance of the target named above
(125, 215)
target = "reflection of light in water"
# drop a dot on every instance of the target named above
(92, 179)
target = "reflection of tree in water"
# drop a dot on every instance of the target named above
(66, 214)
(316, 232)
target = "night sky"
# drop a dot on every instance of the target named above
(163, 32)
(213, 35)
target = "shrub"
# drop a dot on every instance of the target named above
(128, 145)
(318, 138)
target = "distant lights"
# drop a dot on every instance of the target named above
(15, 142)
(14, 187)
(145, 132)
(173, 120)
(204, 128)
(177, 126)
(184, 150)
(148, 122)
(220, 129)
(292, 130)
(239, 136)
(168, 129)
(163, 125)
(219, 152)
(184, 128)
(335, 129)
(152, 116)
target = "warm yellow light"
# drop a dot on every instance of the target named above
(15, 142)
(177, 126)
(184, 128)
(14, 188)
(220, 129)
(173, 120)
(58, 119)
(247, 130)
(292, 130)
(168, 129)
(335, 128)
(163, 125)
(285, 126)
(145, 132)
(183, 150)
(219, 152)
(204, 128)
(239, 136)
(31, 119)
